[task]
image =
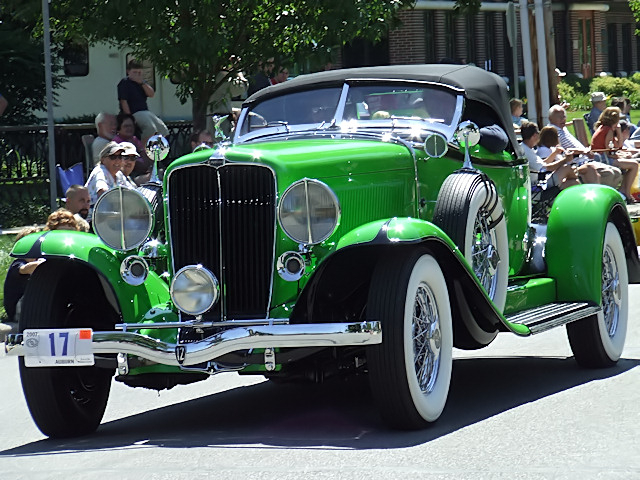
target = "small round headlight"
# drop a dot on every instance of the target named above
(194, 289)
(309, 211)
(122, 218)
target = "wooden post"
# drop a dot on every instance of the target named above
(534, 61)
(550, 34)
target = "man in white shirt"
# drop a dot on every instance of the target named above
(609, 175)
(106, 126)
(556, 168)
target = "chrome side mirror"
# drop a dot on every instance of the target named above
(468, 135)
(157, 149)
(435, 145)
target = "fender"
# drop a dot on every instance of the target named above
(396, 230)
(575, 236)
(132, 302)
(339, 287)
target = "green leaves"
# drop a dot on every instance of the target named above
(194, 40)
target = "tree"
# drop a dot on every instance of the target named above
(203, 43)
(22, 74)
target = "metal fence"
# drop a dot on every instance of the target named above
(24, 150)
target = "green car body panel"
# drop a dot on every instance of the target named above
(575, 234)
(134, 302)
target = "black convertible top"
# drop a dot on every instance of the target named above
(477, 85)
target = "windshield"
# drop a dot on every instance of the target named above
(297, 108)
(377, 102)
(373, 103)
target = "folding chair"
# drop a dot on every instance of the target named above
(580, 130)
(74, 175)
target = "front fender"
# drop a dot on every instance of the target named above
(339, 288)
(133, 302)
(396, 230)
(575, 236)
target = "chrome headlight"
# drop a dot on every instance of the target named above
(194, 289)
(308, 211)
(122, 218)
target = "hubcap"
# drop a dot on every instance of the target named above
(611, 293)
(427, 338)
(485, 257)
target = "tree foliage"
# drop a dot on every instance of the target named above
(22, 80)
(196, 40)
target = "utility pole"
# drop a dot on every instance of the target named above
(53, 184)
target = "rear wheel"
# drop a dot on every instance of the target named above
(597, 341)
(410, 370)
(65, 401)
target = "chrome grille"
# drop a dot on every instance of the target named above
(224, 218)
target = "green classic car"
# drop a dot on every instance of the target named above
(360, 221)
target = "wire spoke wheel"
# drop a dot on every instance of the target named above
(410, 370)
(598, 341)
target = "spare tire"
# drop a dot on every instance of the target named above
(470, 211)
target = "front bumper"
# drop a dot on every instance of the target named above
(227, 341)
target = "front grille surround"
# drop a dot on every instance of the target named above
(223, 216)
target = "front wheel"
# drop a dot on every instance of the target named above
(597, 341)
(410, 370)
(65, 401)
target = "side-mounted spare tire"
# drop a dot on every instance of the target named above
(470, 211)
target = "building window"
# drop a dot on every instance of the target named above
(627, 38)
(471, 39)
(430, 37)
(75, 58)
(612, 43)
(489, 40)
(450, 35)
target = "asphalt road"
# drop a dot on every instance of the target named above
(519, 409)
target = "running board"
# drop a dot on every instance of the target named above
(546, 317)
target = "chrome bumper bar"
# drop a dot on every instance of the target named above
(241, 338)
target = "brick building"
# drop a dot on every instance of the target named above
(588, 38)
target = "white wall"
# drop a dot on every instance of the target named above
(97, 91)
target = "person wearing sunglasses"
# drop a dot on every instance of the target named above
(107, 173)
(129, 158)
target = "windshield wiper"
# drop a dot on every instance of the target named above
(277, 123)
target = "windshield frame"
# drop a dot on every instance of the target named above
(399, 125)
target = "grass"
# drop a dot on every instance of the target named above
(6, 244)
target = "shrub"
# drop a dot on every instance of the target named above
(23, 204)
(614, 86)
(573, 94)
(580, 85)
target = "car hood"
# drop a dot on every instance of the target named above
(316, 158)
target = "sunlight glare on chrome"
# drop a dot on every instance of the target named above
(348, 125)
(415, 132)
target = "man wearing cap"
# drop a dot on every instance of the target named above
(129, 157)
(609, 175)
(599, 101)
(106, 174)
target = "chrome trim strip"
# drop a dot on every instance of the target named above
(200, 324)
(243, 338)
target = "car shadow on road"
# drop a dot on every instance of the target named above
(336, 415)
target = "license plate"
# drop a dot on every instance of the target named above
(69, 347)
